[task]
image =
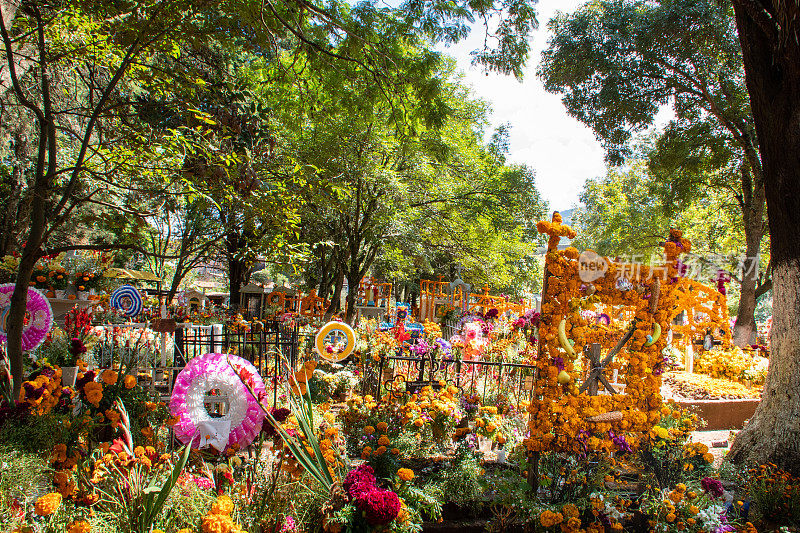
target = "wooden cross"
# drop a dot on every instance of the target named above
(595, 376)
(596, 372)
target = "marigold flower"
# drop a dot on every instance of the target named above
(129, 381)
(79, 526)
(406, 474)
(218, 523)
(109, 376)
(369, 430)
(223, 505)
(48, 504)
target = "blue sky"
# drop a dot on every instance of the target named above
(563, 152)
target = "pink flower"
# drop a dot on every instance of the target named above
(359, 480)
(288, 525)
(203, 483)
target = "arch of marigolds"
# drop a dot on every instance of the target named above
(562, 417)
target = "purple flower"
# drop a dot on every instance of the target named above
(558, 362)
(491, 314)
(420, 348)
(712, 486)
(620, 442)
(445, 346)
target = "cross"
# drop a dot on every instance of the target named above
(596, 372)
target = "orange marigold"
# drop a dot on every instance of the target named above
(79, 526)
(109, 377)
(406, 474)
(223, 505)
(48, 504)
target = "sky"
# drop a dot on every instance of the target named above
(563, 152)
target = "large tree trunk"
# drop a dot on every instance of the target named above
(753, 204)
(238, 270)
(772, 66)
(744, 333)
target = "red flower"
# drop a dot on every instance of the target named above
(712, 486)
(380, 506)
(358, 480)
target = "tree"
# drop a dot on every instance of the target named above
(618, 61)
(770, 38)
(82, 142)
(629, 201)
(406, 173)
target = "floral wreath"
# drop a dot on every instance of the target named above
(127, 300)
(212, 371)
(41, 316)
(337, 350)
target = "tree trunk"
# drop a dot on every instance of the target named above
(772, 66)
(237, 277)
(744, 332)
(353, 281)
(336, 300)
(238, 270)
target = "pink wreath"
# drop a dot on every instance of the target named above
(40, 316)
(212, 371)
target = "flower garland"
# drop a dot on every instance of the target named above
(209, 372)
(38, 308)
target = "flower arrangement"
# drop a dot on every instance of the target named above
(733, 364)
(690, 508)
(563, 419)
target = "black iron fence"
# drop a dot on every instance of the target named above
(262, 347)
(487, 379)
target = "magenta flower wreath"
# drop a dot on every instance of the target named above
(40, 316)
(242, 420)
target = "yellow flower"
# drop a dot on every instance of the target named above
(223, 505)
(406, 474)
(48, 504)
(218, 523)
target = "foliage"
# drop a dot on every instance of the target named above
(775, 493)
(669, 454)
(733, 364)
(24, 475)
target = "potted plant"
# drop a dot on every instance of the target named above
(85, 283)
(58, 282)
(78, 339)
(60, 349)
(40, 278)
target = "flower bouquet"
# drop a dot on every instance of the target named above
(85, 282)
